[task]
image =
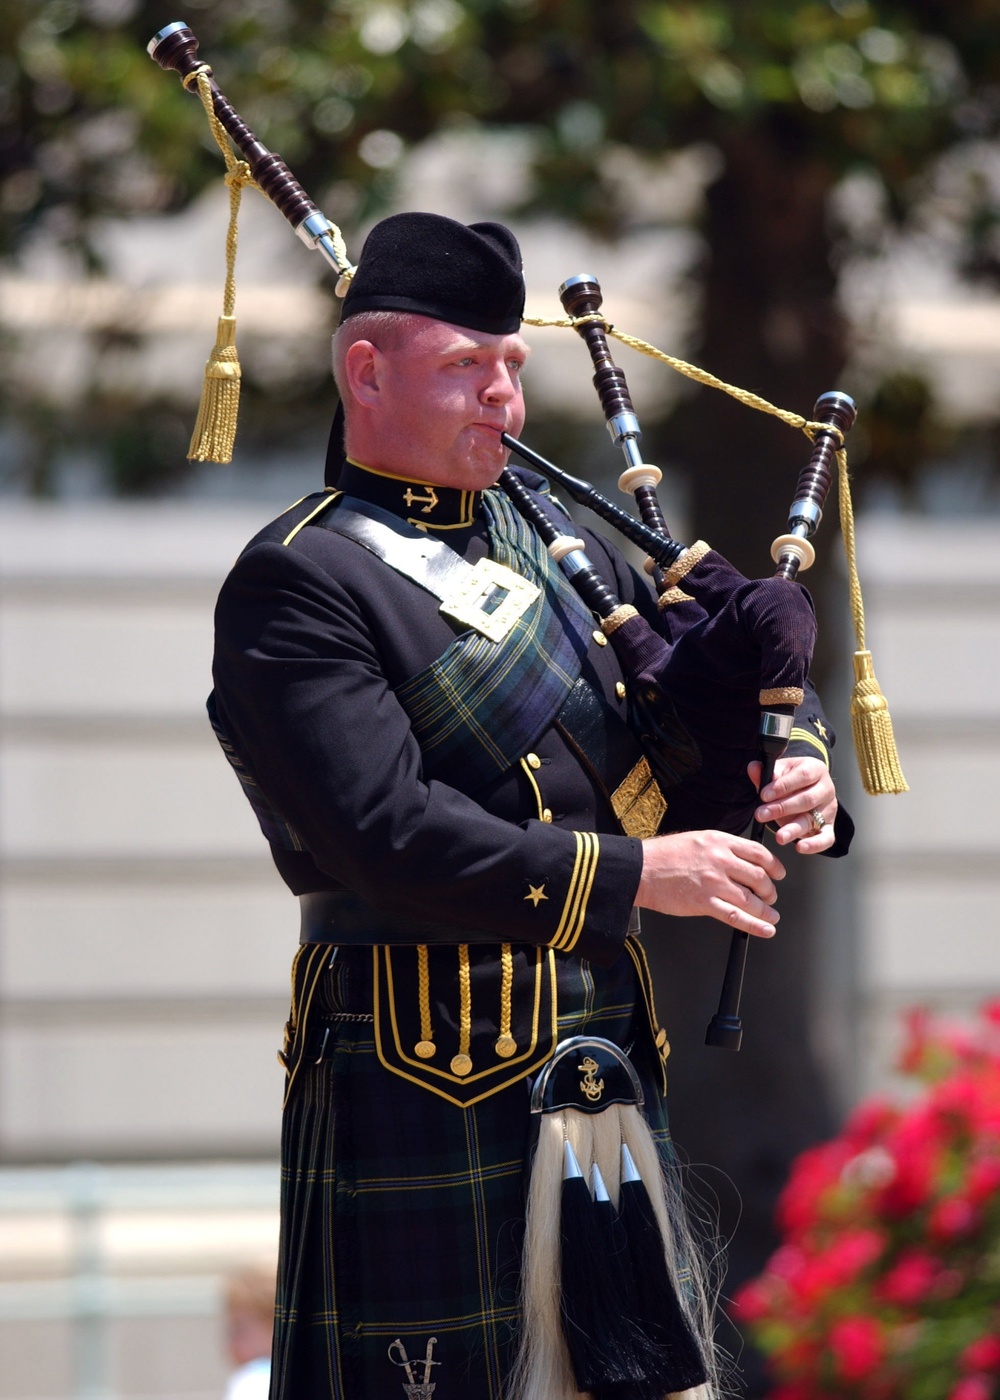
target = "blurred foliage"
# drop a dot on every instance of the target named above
(902, 429)
(341, 87)
(793, 95)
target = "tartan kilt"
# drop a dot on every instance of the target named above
(402, 1213)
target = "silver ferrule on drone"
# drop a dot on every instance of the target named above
(625, 433)
(804, 517)
(774, 725)
(315, 231)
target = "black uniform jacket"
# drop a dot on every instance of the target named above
(314, 633)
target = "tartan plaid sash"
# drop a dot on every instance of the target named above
(480, 706)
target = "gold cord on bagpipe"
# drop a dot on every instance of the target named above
(871, 723)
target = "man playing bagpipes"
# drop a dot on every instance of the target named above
(477, 1181)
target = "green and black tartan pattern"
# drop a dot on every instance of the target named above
(477, 709)
(403, 1216)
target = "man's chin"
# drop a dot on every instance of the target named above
(483, 467)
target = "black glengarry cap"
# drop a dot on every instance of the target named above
(468, 275)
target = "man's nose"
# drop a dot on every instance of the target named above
(500, 386)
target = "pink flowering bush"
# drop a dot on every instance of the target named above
(887, 1283)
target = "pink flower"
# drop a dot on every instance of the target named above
(916, 1147)
(953, 1218)
(838, 1265)
(869, 1123)
(814, 1173)
(918, 1027)
(982, 1354)
(911, 1279)
(983, 1180)
(972, 1388)
(891, 1224)
(858, 1346)
(751, 1303)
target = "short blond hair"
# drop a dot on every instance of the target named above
(385, 329)
(251, 1290)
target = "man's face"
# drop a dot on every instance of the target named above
(437, 401)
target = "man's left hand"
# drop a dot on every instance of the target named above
(800, 788)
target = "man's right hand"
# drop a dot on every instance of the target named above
(729, 878)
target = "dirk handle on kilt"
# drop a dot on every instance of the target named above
(791, 552)
(581, 296)
(175, 48)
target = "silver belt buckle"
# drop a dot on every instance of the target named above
(466, 603)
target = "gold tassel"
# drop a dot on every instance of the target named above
(871, 723)
(215, 428)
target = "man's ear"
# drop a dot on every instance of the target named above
(363, 367)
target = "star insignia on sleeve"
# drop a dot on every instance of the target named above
(536, 893)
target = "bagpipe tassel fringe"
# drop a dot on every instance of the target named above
(215, 429)
(874, 740)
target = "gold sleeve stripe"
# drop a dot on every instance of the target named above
(574, 914)
(588, 885)
(808, 737)
(571, 895)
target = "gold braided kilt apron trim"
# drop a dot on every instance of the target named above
(403, 1214)
(399, 1027)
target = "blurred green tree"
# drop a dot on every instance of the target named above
(791, 95)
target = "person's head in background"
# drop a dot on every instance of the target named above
(248, 1296)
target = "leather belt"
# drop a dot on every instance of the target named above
(342, 917)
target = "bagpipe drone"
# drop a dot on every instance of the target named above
(718, 682)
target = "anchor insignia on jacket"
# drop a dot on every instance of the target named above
(412, 498)
(424, 1388)
(591, 1087)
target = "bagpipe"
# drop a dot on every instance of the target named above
(717, 681)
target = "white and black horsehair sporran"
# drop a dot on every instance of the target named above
(614, 1304)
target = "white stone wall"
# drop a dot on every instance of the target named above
(145, 935)
(928, 866)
